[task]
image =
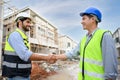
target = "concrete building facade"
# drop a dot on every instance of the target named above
(66, 44)
(116, 36)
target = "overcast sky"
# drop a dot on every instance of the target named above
(64, 14)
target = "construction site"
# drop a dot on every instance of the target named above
(45, 39)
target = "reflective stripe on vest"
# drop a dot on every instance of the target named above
(91, 57)
(12, 64)
(10, 53)
(101, 76)
(93, 61)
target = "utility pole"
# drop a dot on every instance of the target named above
(1, 29)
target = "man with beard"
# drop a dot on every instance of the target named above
(17, 55)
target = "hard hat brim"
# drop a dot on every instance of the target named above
(83, 13)
(23, 17)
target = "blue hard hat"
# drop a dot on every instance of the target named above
(93, 11)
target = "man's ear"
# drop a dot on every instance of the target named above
(93, 18)
(19, 22)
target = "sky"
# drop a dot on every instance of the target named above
(64, 14)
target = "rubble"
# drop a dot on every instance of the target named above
(40, 71)
(58, 71)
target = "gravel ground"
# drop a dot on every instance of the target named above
(69, 72)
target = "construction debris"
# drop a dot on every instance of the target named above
(58, 71)
(40, 71)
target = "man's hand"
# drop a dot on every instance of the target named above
(52, 58)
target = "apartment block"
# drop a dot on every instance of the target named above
(116, 36)
(66, 44)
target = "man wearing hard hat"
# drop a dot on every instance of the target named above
(17, 55)
(98, 60)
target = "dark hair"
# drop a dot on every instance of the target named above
(21, 19)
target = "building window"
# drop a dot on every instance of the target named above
(41, 30)
(8, 29)
(50, 34)
(68, 44)
(117, 39)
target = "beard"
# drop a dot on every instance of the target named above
(26, 28)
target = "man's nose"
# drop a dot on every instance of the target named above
(31, 24)
(81, 22)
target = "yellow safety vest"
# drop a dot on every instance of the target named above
(91, 62)
(25, 39)
(12, 65)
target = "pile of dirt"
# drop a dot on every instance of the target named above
(38, 73)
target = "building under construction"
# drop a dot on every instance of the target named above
(43, 36)
(116, 36)
(66, 44)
